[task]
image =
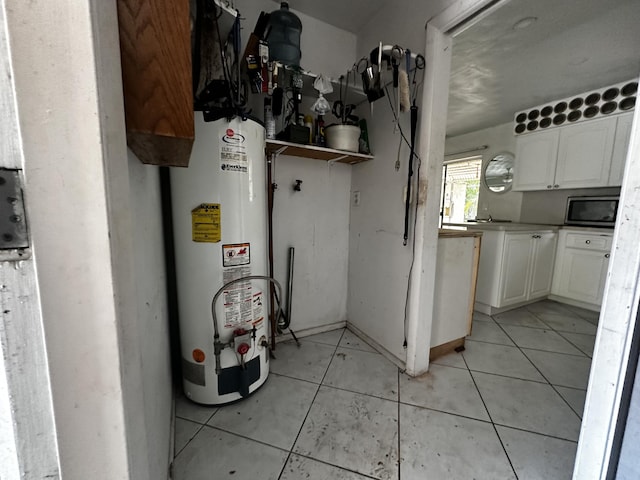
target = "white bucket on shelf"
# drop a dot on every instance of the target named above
(343, 137)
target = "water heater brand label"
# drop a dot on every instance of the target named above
(205, 223)
(236, 254)
(233, 152)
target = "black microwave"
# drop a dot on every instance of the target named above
(592, 211)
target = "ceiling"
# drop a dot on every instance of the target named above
(573, 47)
(350, 15)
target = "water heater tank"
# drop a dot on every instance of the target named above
(219, 208)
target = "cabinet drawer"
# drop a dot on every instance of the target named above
(589, 242)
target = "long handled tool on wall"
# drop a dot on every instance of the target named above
(407, 204)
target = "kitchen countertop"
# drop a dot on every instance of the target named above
(453, 233)
(576, 228)
(501, 226)
(514, 226)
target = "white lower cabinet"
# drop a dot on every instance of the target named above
(582, 260)
(515, 268)
(542, 264)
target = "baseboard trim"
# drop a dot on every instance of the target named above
(401, 363)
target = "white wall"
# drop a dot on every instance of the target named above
(152, 313)
(315, 221)
(28, 446)
(66, 59)
(401, 22)
(378, 262)
(504, 206)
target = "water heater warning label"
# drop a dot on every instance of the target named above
(236, 254)
(205, 223)
(258, 309)
(239, 302)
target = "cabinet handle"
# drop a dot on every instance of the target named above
(549, 186)
(556, 186)
(587, 242)
(606, 255)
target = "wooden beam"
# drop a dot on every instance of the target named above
(155, 47)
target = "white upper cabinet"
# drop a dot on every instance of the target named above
(584, 154)
(620, 148)
(572, 156)
(535, 163)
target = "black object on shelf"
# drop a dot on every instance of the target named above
(295, 134)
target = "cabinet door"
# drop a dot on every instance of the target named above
(535, 161)
(543, 258)
(620, 148)
(582, 275)
(515, 268)
(584, 154)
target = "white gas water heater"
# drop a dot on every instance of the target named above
(220, 231)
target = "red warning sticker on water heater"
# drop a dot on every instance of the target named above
(236, 254)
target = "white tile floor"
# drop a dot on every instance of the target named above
(508, 407)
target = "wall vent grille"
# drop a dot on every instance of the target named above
(611, 100)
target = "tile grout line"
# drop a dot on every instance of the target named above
(239, 435)
(175, 415)
(561, 396)
(561, 334)
(539, 371)
(202, 425)
(467, 417)
(502, 424)
(284, 465)
(360, 393)
(520, 429)
(525, 356)
(336, 466)
(490, 418)
(581, 355)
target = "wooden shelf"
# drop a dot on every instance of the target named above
(319, 153)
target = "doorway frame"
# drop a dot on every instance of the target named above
(622, 291)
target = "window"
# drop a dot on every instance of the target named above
(460, 188)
